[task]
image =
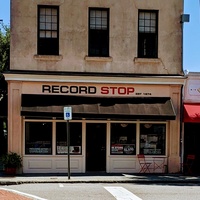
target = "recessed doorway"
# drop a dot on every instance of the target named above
(95, 147)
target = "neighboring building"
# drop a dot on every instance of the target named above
(118, 64)
(191, 119)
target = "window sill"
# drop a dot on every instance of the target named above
(99, 59)
(147, 60)
(48, 57)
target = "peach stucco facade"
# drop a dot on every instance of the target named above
(73, 41)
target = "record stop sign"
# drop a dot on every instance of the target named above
(67, 113)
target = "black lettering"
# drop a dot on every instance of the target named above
(55, 89)
(64, 89)
(92, 90)
(73, 89)
(82, 89)
(46, 88)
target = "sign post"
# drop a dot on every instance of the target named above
(68, 116)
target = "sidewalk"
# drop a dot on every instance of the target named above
(98, 178)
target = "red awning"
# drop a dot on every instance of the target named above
(192, 113)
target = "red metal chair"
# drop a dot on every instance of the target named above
(144, 165)
(187, 165)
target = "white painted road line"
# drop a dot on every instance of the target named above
(24, 194)
(61, 185)
(121, 193)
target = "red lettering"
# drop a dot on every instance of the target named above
(121, 90)
(130, 90)
(104, 90)
(113, 89)
(117, 90)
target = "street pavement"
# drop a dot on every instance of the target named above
(90, 178)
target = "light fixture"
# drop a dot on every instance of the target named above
(147, 125)
(124, 125)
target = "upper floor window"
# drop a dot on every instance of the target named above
(98, 32)
(48, 26)
(148, 34)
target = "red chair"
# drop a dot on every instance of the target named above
(187, 165)
(144, 165)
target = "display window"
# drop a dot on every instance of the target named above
(38, 138)
(123, 139)
(75, 138)
(152, 139)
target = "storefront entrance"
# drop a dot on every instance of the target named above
(96, 147)
(191, 144)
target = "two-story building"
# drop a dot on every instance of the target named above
(117, 64)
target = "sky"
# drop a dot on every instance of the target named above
(191, 32)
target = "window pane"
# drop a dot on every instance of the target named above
(75, 138)
(153, 16)
(147, 23)
(48, 11)
(104, 23)
(54, 19)
(92, 13)
(48, 26)
(48, 34)
(42, 11)
(54, 34)
(98, 13)
(147, 29)
(42, 34)
(141, 29)
(153, 30)
(147, 15)
(123, 139)
(42, 19)
(54, 26)
(152, 139)
(42, 26)
(48, 18)
(141, 15)
(104, 14)
(54, 12)
(38, 138)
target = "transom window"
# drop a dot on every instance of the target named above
(148, 34)
(99, 32)
(48, 26)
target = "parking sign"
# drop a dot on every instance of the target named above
(67, 113)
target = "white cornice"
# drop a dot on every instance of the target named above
(164, 80)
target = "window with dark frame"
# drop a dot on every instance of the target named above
(123, 139)
(98, 32)
(153, 139)
(48, 30)
(75, 138)
(147, 34)
(38, 138)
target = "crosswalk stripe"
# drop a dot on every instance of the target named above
(61, 185)
(121, 193)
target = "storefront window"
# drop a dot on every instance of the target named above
(123, 139)
(75, 138)
(38, 138)
(152, 139)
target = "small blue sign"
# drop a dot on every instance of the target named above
(67, 113)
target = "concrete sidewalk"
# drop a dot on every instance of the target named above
(98, 178)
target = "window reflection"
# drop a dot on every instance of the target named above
(152, 139)
(75, 138)
(123, 139)
(38, 138)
